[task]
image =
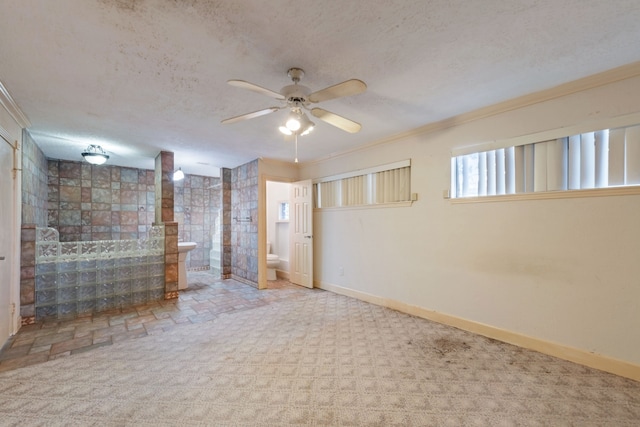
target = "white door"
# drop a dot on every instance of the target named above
(301, 211)
(6, 230)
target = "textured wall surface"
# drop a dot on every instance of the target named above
(227, 249)
(197, 204)
(34, 214)
(34, 183)
(99, 202)
(244, 222)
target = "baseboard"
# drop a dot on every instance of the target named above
(243, 280)
(582, 357)
(284, 275)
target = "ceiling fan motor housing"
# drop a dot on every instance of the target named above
(296, 94)
(296, 74)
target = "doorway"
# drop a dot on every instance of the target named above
(278, 229)
(295, 262)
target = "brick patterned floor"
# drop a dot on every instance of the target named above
(204, 299)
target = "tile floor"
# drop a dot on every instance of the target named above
(204, 299)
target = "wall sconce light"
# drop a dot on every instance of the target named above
(178, 175)
(95, 155)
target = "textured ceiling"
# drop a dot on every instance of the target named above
(139, 76)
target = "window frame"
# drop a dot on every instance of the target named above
(625, 121)
(369, 198)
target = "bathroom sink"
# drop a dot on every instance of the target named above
(186, 246)
(183, 250)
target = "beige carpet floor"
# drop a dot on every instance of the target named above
(324, 359)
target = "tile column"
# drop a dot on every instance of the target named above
(225, 228)
(164, 215)
(27, 274)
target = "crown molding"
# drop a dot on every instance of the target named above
(10, 105)
(590, 82)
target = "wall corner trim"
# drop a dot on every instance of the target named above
(575, 355)
(10, 105)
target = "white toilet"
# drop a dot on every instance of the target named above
(273, 262)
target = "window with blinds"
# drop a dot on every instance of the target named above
(600, 159)
(383, 184)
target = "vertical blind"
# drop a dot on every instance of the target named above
(385, 186)
(605, 158)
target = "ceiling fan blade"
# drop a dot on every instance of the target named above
(348, 88)
(255, 88)
(336, 120)
(250, 115)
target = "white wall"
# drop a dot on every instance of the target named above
(564, 271)
(278, 231)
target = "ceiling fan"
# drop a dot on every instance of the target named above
(297, 98)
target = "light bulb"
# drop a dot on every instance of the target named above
(293, 124)
(178, 175)
(285, 130)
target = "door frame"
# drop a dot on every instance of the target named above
(262, 225)
(13, 123)
(13, 256)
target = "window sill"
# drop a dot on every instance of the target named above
(375, 206)
(543, 195)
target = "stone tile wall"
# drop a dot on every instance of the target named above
(197, 204)
(28, 273)
(34, 214)
(88, 202)
(244, 223)
(225, 227)
(164, 205)
(34, 183)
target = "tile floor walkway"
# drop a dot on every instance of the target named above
(204, 299)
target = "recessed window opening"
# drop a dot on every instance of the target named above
(384, 184)
(600, 159)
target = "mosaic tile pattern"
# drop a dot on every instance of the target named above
(27, 273)
(323, 359)
(198, 203)
(163, 179)
(34, 183)
(87, 202)
(244, 222)
(227, 248)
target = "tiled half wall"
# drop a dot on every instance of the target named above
(87, 203)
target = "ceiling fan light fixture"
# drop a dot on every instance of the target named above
(95, 155)
(285, 130)
(293, 123)
(306, 125)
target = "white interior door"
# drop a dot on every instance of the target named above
(6, 230)
(301, 255)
